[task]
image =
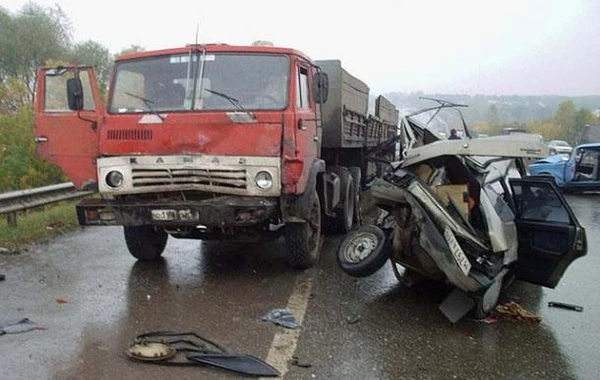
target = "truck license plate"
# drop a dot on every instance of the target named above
(163, 215)
(457, 252)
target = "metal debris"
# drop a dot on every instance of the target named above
(567, 306)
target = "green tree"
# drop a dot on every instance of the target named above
(30, 38)
(93, 54)
(19, 168)
(564, 117)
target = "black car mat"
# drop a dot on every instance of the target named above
(192, 349)
(244, 364)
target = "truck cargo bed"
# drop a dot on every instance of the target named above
(346, 121)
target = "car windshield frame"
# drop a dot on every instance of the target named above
(201, 81)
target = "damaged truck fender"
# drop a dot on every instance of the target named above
(296, 207)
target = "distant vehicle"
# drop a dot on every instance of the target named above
(559, 147)
(579, 172)
(510, 131)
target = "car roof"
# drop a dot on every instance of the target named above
(590, 145)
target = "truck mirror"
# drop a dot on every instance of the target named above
(75, 94)
(321, 86)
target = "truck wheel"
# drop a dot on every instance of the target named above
(363, 251)
(357, 177)
(145, 243)
(345, 210)
(303, 240)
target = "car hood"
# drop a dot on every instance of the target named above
(554, 159)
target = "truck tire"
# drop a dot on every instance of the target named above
(303, 240)
(345, 210)
(357, 177)
(145, 243)
(364, 251)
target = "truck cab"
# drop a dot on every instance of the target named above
(206, 141)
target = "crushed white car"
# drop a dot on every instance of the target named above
(465, 212)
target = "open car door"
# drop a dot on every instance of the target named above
(64, 137)
(550, 237)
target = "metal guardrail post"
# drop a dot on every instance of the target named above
(11, 219)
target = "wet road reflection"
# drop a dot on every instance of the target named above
(371, 328)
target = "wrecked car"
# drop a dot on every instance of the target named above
(577, 172)
(465, 212)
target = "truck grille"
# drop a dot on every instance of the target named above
(211, 178)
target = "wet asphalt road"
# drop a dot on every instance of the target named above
(370, 328)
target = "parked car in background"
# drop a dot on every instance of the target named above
(577, 172)
(559, 147)
(465, 213)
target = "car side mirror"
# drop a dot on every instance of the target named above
(75, 94)
(321, 86)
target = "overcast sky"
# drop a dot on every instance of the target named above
(525, 47)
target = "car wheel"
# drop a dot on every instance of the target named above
(145, 243)
(364, 251)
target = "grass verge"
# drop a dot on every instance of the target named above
(38, 224)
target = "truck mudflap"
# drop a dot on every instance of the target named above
(225, 211)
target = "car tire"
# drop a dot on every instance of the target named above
(145, 243)
(303, 240)
(364, 251)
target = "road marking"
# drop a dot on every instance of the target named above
(285, 340)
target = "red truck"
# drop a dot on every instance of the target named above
(214, 142)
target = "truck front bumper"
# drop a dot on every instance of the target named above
(224, 211)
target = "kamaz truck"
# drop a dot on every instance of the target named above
(214, 142)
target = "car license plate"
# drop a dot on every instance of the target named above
(457, 252)
(163, 215)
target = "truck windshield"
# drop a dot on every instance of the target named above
(201, 82)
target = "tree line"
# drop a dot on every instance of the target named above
(33, 37)
(566, 124)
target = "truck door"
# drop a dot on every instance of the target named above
(550, 237)
(64, 137)
(307, 134)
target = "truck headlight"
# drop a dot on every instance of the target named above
(263, 180)
(114, 179)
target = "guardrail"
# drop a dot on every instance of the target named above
(15, 201)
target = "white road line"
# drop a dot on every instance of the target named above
(285, 340)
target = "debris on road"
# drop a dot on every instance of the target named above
(62, 300)
(567, 306)
(282, 317)
(515, 312)
(2, 277)
(189, 348)
(18, 326)
(352, 319)
(295, 361)
(489, 320)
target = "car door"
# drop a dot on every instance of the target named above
(550, 237)
(65, 137)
